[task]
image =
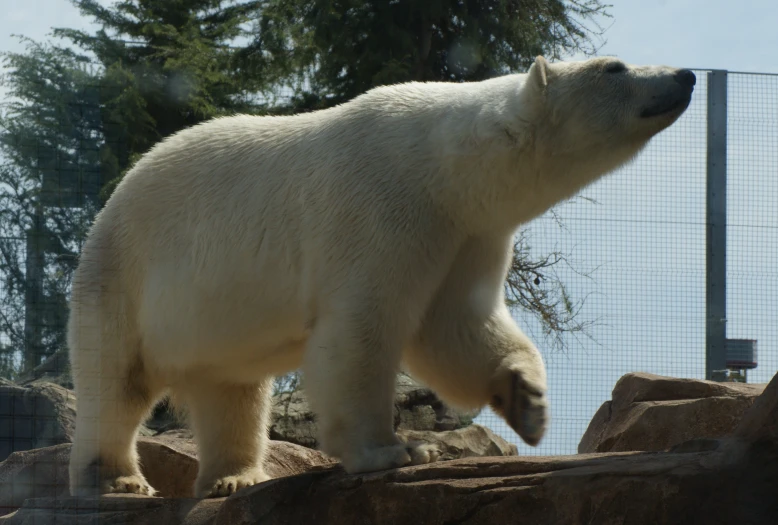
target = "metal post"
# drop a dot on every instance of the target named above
(716, 274)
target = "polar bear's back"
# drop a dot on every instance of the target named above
(216, 233)
(234, 230)
(252, 162)
(201, 238)
(273, 169)
(231, 182)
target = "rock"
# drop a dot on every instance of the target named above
(288, 459)
(35, 473)
(467, 442)
(416, 408)
(624, 488)
(639, 386)
(716, 482)
(117, 509)
(292, 420)
(55, 369)
(36, 415)
(761, 420)
(169, 462)
(283, 458)
(163, 418)
(645, 410)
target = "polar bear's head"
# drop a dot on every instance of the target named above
(602, 110)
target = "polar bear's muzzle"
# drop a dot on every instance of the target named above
(673, 99)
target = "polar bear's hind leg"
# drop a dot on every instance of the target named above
(104, 458)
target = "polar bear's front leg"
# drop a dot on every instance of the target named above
(471, 361)
(350, 368)
(230, 427)
(470, 350)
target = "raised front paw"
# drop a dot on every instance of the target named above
(128, 485)
(389, 457)
(226, 485)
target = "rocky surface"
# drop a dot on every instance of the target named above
(628, 488)
(292, 420)
(55, 369)
(40, 413)
(704, 481)
(416, 408)
(651, 413)
(760, 422)
(115, 509)
(468, 442)
(35, 415)
(714, 487)
(169, 462)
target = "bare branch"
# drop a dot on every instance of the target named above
(534, 286)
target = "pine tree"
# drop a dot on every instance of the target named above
(78, 117)
(167, 65)
(50, 133)
(330, 51)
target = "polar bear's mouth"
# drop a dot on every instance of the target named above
(675, 100)
(667, 104)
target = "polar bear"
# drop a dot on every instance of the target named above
(349, 242)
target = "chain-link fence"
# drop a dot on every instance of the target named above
(637, 251)
(634, 247)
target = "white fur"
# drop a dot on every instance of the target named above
(346, 242)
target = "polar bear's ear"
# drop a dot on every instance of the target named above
(538, 73)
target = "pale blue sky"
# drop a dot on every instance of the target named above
(646, 235)
(738, 36)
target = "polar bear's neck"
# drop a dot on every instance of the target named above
(503, 161)
(481, 140)
(473, 148)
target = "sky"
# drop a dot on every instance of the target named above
(644, 239)
(686, 33)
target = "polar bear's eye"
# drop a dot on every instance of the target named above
(616, 67)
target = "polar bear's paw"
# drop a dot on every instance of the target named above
(128, 485)
(390, 457)
(227, 485)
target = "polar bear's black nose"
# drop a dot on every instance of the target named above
(685, 77)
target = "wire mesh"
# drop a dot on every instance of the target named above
(752, 216)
